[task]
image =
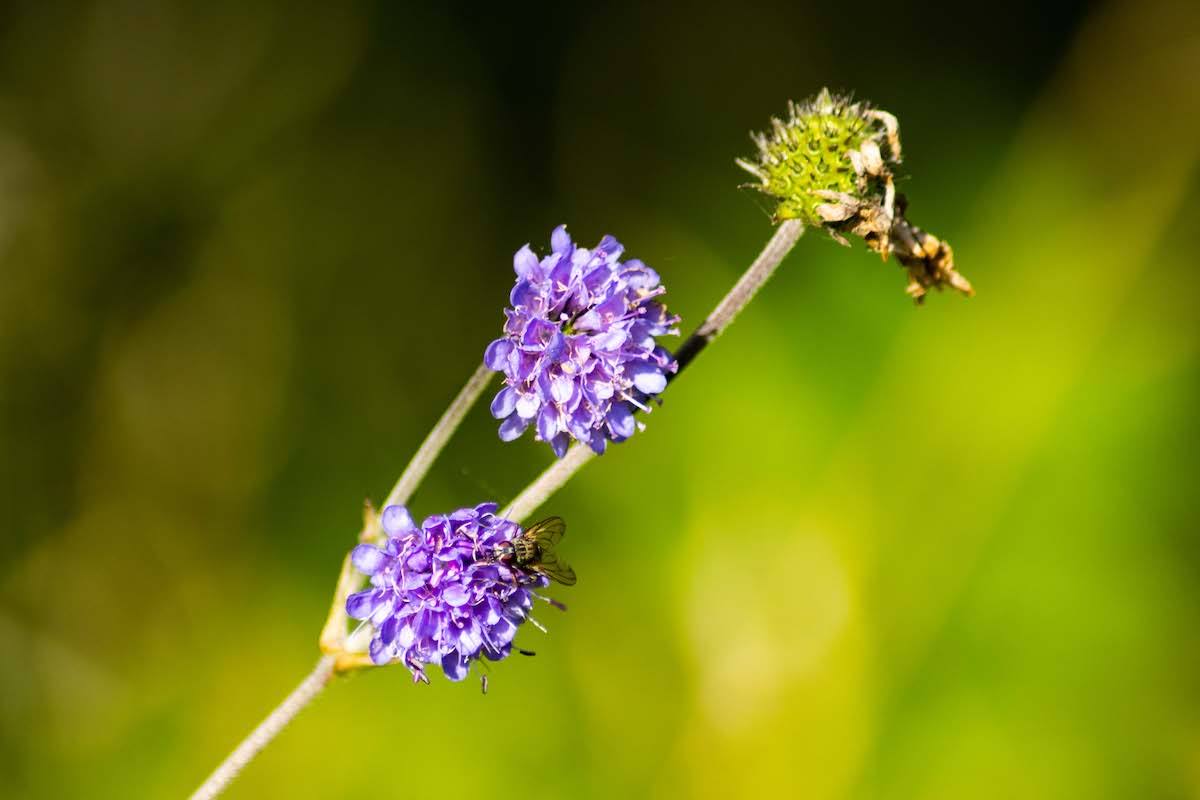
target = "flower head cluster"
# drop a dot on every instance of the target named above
(437, 594)
(579, 351)
(830, 165)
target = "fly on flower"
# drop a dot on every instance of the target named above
(454, 589)
(534, 550)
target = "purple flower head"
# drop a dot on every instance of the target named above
(438, 595)
(579, 351)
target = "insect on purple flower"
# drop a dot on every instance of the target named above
(455, 589)
(579, 354)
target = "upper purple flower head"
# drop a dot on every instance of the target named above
(578, 351)
(437, 596)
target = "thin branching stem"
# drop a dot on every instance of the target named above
(414, 473)
(758, 273)
(561, 471)
(334, 633)
(546, 484)
(267, 730)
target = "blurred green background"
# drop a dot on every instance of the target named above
(249, 251)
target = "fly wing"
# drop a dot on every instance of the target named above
(556, 570)
(548, 533)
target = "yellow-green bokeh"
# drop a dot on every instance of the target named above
(249, 251)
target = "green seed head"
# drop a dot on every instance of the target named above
(829, 165)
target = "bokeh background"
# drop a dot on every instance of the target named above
(248, 251)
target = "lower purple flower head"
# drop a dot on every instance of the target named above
(579, 351)
(437, 596)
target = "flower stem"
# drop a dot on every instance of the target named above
(557, 475)
(548, 483)
(437, 438)
(785, 238)
(267, 730)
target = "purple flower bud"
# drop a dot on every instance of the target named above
(497, 353)
(579, 350)
(439, 593)
(367, 559)
(397, 521)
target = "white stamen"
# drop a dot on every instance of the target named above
(627, 397)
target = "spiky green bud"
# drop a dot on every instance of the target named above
(829, 160)
(830, 166)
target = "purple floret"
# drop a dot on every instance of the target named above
(437, 596)
(579, 351)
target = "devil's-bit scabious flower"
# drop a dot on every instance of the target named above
(830, 165)
(438, 595)
(579, 351)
